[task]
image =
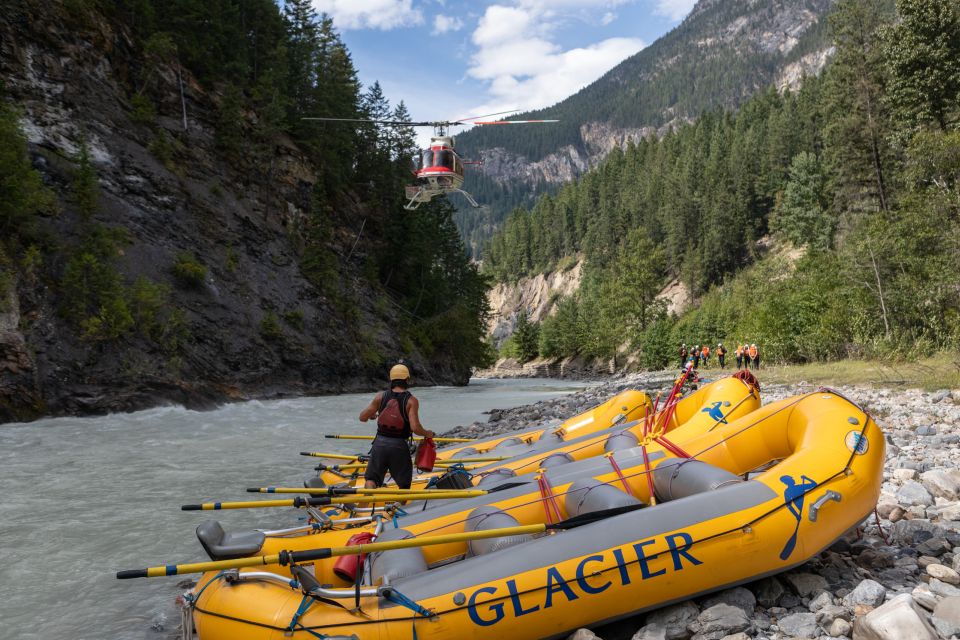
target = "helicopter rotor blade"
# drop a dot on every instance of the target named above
(514, 122)
(486, 115)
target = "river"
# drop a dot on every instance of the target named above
(84, 497)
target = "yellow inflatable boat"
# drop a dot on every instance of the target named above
(723, 400)
(814, 464)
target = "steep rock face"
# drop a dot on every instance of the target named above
(537, 296)
(74, 83)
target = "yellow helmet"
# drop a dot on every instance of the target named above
(399, 372)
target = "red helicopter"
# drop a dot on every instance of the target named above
(438, 169)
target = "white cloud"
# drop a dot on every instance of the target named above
(676, 10)
(525, 68)
(370, 14)
(443, 24)
(607, 18)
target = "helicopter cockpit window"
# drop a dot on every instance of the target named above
(426, 159)
(443, 158)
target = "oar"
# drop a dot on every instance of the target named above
(438, 463)
(336, 456)
(359, 491)
(294, 557)
(320, 502)
(338, 436)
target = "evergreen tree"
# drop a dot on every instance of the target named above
(802, 215)
(526, 337)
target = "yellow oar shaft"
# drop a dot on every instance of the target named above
(332, 456)
(450, 461)
(321, 502)
(287, 557)
(438, 439)
(408, 494)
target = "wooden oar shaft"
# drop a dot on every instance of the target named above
(338, 436)
(287, 557)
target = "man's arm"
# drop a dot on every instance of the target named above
(372, 409)
(413, 413)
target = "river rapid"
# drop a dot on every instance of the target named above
(85, 497)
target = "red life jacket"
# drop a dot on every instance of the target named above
(392, 419)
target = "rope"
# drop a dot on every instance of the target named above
(398, 598)
(616, 468)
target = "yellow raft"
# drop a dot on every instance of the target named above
(814, 464)
(580, 438)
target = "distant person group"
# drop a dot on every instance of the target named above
(748, 356)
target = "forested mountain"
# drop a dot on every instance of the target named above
(172, 230)
(859, 171)
(719, 56)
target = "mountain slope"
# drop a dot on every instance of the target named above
(719, 56)
(181, 250)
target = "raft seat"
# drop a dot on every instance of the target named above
(315, 482)
(221, 545)
(556, 459)
(588, 495)
(509, 442)
(620, 441)
(496, 477)
(390, 566)
(489, 517)
(683, 477)
(468, 452)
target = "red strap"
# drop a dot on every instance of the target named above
(549, 500)
(646, 466)
(616, 468)
(672, 448)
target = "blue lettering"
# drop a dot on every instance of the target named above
(472, 608)
(642, 559)
(676, 552)
(582, 578)
(555, 582)
(518, 609)
(622, 566)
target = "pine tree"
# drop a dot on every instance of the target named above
(802, 215)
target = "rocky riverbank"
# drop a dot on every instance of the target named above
(896, 582)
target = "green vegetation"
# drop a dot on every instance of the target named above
(858, 170)
(270, 327)
(939, 371)
(294, 318)
(188, 271)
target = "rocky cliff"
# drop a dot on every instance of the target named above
(245, 321)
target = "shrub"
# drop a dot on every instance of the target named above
(294, 318)
(188, 272)
(270, 327)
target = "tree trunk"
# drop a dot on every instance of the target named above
(883, 304)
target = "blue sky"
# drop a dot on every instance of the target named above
(457, 58)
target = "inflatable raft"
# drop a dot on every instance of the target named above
(814, 465)
(587, 435)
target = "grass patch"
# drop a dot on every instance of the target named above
(941, 371)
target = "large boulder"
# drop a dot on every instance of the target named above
(720, 620)
(913, 494)
(898, 619)
(655, 631)
(768, 591)
(736, 597)
(806, 584)
(799, 625)
(942, 483)
(675, 619)
(868, 592)
(946, 617)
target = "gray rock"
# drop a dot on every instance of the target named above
(736, 636)
(736, 597)
(934, 547)
(802, 625)
(583, 634)
(829, 613)
(948, 611)
(943, 589)
(924, 597)
(898, 619)
(806, 584)
(820, 602)
(942, 483)
(653, 631)
(912, 494)
(675, 619)
(926, 430)
(768, 591)
(720, 620)
(868, 592)
(945, 628)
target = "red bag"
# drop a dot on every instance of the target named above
(426, 455)
(347, 567)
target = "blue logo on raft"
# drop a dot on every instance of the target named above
(793, 496)
(715, 412)
(587, 580)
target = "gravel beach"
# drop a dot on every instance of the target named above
(901, 583)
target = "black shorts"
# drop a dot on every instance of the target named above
(393, 455)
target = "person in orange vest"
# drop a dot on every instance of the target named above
(739, 354)
(705, 355)
(398, 418)
(754, 356)
(722, 355)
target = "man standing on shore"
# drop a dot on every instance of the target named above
(398, 418)
(722, 355)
